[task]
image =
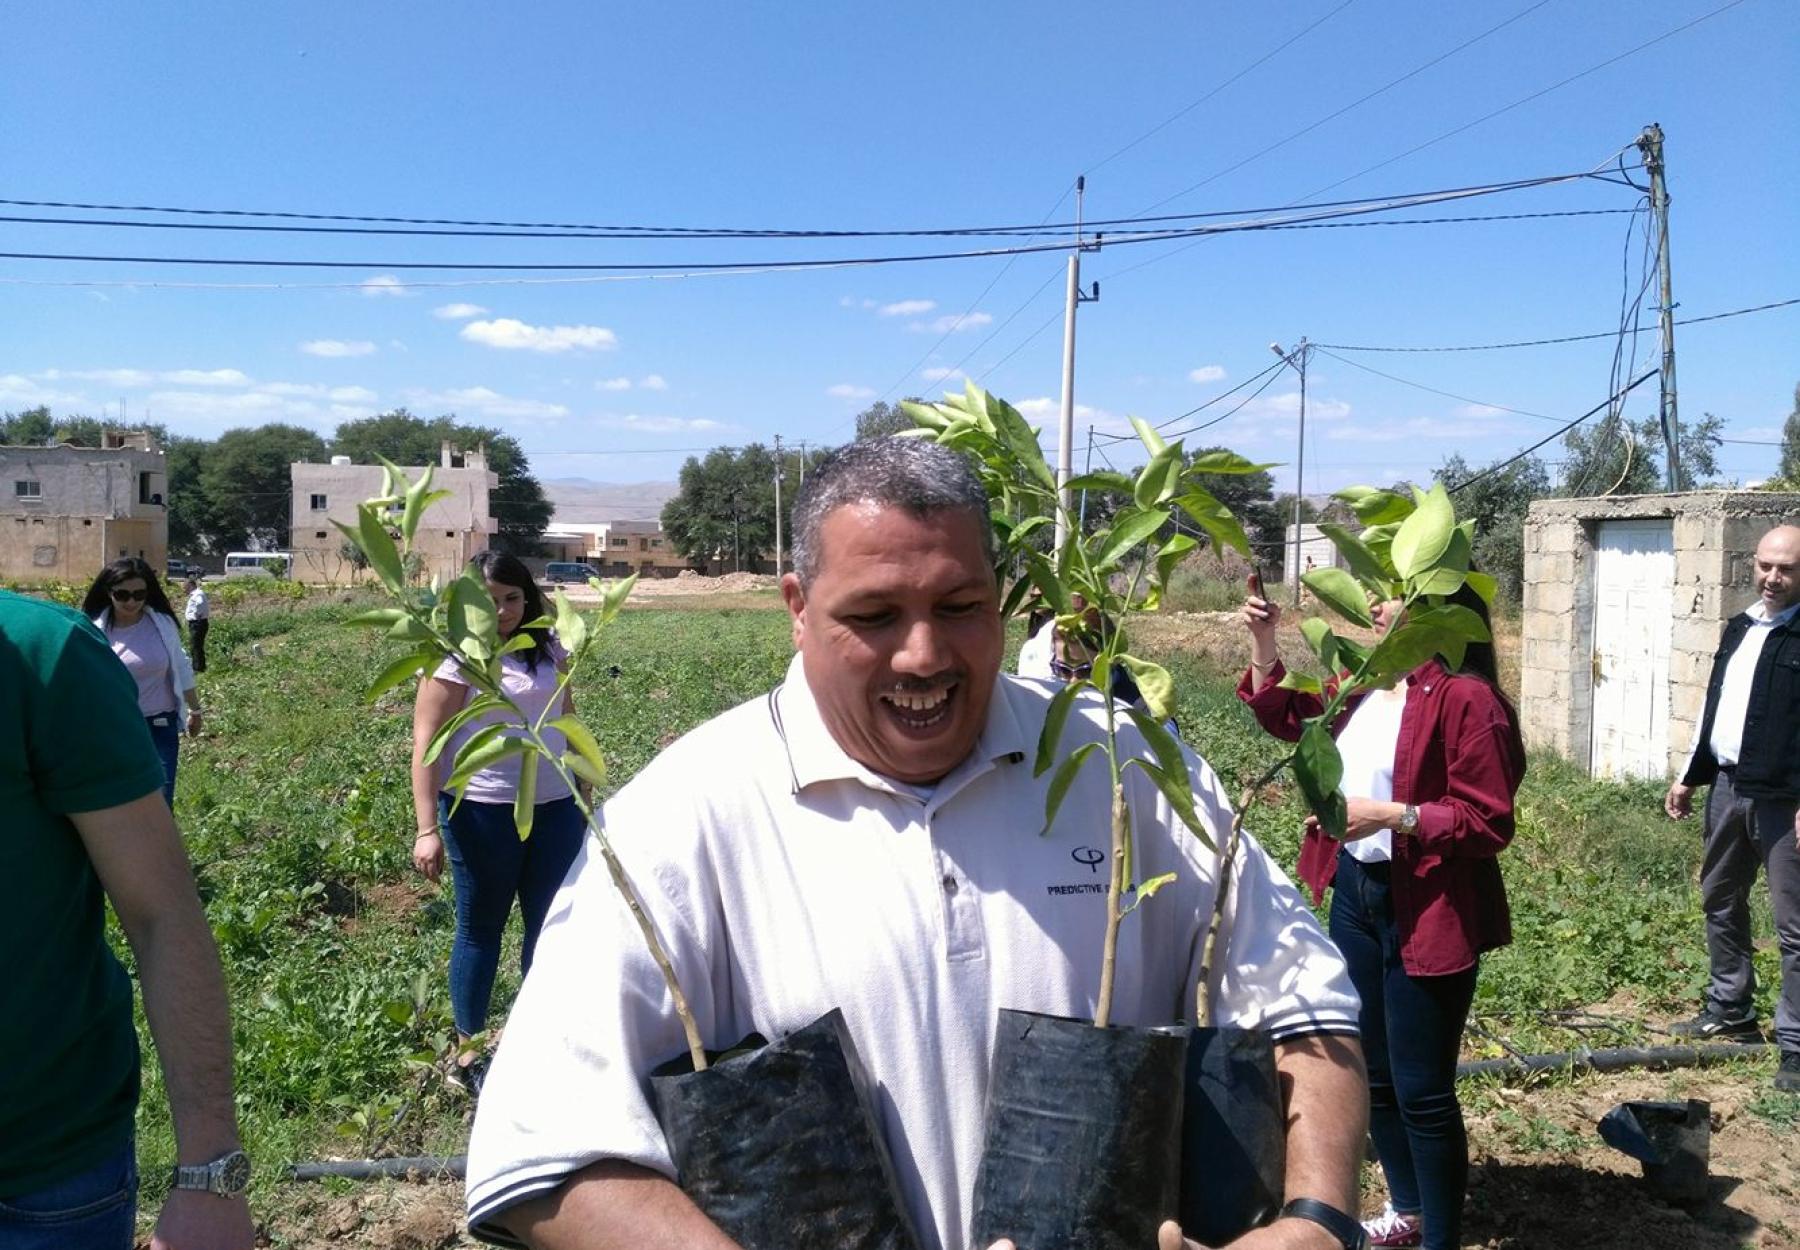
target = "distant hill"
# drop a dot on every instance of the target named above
(580, 501)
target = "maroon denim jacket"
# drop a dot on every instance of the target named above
(1459, 760)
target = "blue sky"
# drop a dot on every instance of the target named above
(810, 116)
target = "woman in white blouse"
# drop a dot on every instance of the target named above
(127, 603)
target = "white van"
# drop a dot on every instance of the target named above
(259, 564)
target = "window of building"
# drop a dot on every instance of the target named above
(319, 534)
(144, 492)
(621, 542)
(318, 503)
(449, 533)
(656, 542)
(643, 544)
(28, 490)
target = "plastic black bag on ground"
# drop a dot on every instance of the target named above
(1234, 1140)
(1083, 1139)
(781, 1147)
(1673, 1140)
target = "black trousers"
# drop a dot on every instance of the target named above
(197, 636)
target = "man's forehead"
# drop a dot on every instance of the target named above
(1780, 546)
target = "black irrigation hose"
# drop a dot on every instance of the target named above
(1610, 1059)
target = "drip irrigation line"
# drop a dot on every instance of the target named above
(1566, 338)
(1514, 459)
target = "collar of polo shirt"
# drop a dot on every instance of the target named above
(815, 756)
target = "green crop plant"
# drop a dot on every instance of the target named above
(459, 620)
(1413, 551)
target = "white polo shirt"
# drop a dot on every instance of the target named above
(786, 879)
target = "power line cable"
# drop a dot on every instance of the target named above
(1566, 338)
(1514, 459)
(1220, 398)
(1420, 386)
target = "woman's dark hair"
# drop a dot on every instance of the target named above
(1478, 657)
(99, 595)
(508, 570)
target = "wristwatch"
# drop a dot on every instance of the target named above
(1346, 1228)
(1409, 819)
(227, 1176)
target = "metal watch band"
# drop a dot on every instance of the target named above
(1346, 1228)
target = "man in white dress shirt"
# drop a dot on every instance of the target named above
(1747, 746)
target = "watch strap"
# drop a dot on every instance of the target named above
(193, 1176)
(1345, 1227)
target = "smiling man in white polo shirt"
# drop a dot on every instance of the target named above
(866, 837)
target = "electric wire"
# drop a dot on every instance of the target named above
(1566, 338)
(1420, 386)
(1492, 469)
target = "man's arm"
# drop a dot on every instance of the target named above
(137, 854)
(1327, 1095)
(613, 1205)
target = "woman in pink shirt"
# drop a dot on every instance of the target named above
(490, 864)
(127, 603)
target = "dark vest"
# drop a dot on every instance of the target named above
(1768, 764)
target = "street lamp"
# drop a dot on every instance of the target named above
(1296, 360)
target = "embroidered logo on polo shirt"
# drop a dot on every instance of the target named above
(1091, 858)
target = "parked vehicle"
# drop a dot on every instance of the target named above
(259, 564)
(177, 570)
(560, 571)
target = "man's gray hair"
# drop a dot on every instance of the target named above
(911, 473)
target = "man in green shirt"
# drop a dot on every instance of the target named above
(82, 815)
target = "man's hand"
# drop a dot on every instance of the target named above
(193, 724)
(192, 1220)
(1281, 1235)
(1679, 802)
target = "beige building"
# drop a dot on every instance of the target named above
(638, 547)
(451, 532)
(1625, 599)
(66, 511)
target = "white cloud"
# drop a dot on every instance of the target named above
(1287, 404)
(1413, 429)
(333, 349)
(124, 378)
(907, 308)
(457, 312)
(653, 382)
(952, 322)
(1206, 373)
(233, 408)
(384, 284)
(486, 402)
(844, 390)
(512, 335)
(940, 373)
(614, 384)
(1478, 412)
(1769, 433)
(206, 377)
(16, 388)
(662, 425)
(314, 390)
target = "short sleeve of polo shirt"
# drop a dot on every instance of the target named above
(85, 745)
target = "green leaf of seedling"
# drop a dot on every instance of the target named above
(1205, 510)
(520, 641)
(1131, 528)
(409, 628)
(1044, 577)
(1064, 778)
(1405, 647)
(1014, 597)
(1107, 481)
(1153, 683)
(925, 416)
(525, 801)
(571, 627)
(1320, 771)
(584, 770)
(1153, 442)
(414, 507)
(484, 750)
(613, 596)
(1054, 719)
(1149, 888)
(1364, 565)
(1173, 552)
(1453, 620)
(372, 539)
(1026, 528)
(1375, 507)
(1379, 539)
(1447, 575)
(1170, 772)
(378, 618)
(1425, 535)
(1483, 585)
(1323, 642)
(1157, 481)
(584, 744)
(1226, 463)
(477, 707)
(1016, 434)
(1340, 592)
(1350, 655)
(1306, 683)
(401, 670)
(474, 622)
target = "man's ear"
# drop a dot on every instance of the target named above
(794, 596)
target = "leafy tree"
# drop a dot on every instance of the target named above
(880, 419)
(518, 503)
(1620, 457)
(247, 484)
(192, 520)
(1790, 444)
(1497, 504)
(31, 428)
(725, 508)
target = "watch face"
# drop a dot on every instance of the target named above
(234, 1173)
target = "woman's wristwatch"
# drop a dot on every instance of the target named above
(1409, 819)
(1346, 1228)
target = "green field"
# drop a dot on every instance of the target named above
(297, 814)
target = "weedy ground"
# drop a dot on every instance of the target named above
(296, 811)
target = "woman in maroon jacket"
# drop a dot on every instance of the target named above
(1430, 770)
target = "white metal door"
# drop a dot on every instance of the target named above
(1634, 599)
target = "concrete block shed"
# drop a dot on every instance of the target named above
(1624, 601)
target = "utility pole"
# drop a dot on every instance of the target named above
(1650, 143)
(778, 505)
(1065, 449)
(1296, 360)
(1087, 467)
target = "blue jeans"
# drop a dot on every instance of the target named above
(165, 734)
(1411, 1032)
(95, 1210)
(491, 866)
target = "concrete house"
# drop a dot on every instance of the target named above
(638, 547)
(66, 511)
(1625, 598)
(451, 532)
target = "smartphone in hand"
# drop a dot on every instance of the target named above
(1256, 584)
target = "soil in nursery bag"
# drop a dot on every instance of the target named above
(1234, 1143)
(780, 1146)
(1083, 1143)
